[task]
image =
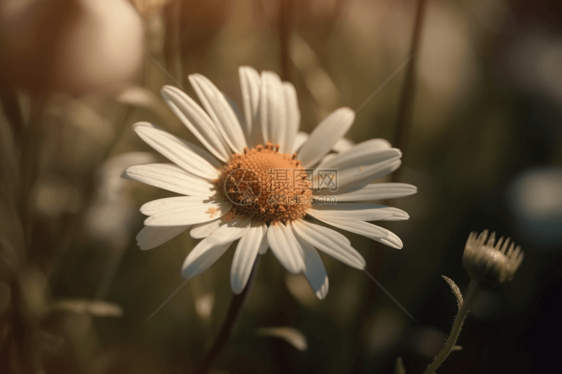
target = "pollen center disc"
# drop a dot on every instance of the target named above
(266, 185)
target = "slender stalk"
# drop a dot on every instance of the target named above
(406, 102)
(29, 163)
(172, 45)
(122, 124)
(401, 132)
(11, 106)
(285, 24)
(73, 222)
(178, 60)
(234, 311)
(25, 323)
(110, 270)
(473, 292)
(25, 331)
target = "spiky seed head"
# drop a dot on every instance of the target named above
(489, 261)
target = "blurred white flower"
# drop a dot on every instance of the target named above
(204, 305)
(148, 8)
(533, 61)
(109, 217)
(75, 46)
(535, 199)
(238, 189)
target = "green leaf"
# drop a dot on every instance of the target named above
(455, 289)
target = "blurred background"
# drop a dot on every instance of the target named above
(484, 150)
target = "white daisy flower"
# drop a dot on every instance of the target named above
(254, 183)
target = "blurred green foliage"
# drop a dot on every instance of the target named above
(483, 117)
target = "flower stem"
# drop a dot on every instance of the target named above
(406, 103)
(285, 23)
(376, 262)
(234, 311)
(29, 164)
(12, 111)
(474, 289)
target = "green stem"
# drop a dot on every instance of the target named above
(285, 23)
(229, 323)
(406, 103)
(12, 111)
(473, 291)
(402, 130)
(29, 164)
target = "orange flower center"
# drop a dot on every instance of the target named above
(266, 185)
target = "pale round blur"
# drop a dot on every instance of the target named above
(76, 46)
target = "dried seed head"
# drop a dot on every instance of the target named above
(491, 262)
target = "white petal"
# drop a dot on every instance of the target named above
(231, 230)
(250, 83)
(314, 270)
(285, 247)
(202, 230)
(264, 245)
(325, 135)
(211, 248)
(151, 237)
(237, 112)
(181, 152)
(377, 191)
(357, 212)
(271, 111)
(336, 237)
(326, 158)
(183, 202)
(301, 138)
(197, 121)
(293, 117)
(360, 156)
(220, 112)
(342, 145)
(368, 230)
(170, 177)
(377, 144)
(245, 256)
(361, 176)
(180, 211)
(202, 257)
(325, 239)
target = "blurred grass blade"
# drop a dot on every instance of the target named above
(81, 115)
(91, 307)
(317, 80)
(289, 334)
(143, 98)
(399, 367)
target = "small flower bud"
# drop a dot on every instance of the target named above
(491, 262)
